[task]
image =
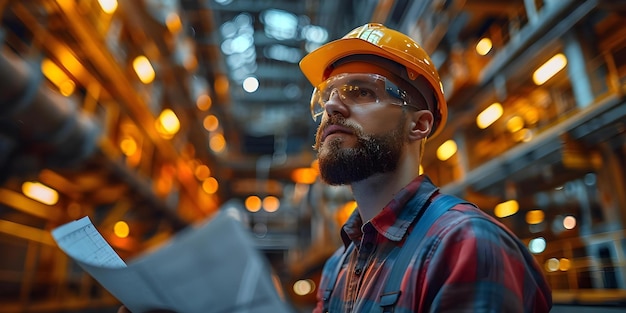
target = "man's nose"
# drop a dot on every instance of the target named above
(336, 104)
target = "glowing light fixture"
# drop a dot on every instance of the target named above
(488, 116)
(253, 203)
(210, 185)
(304, 175)
(569, 222)
(167, 124)
(446, 150)
(210, 123)
(121, 229)
(345, 211)
(173, 23)
(303, 287)
(217, 143)
(271, 204)
(534, 217)
(537, 245)
(202, 172)
(40, 192)
(250, 84)
(524, 135)
(128, 145)
(484, 46)
(163, 185)
(108, 6)
(552, 265)
(506, 208)
(144, 69)
(515, 123)
(58, 77)
(221, 85)
(549, 69)
(204, 102)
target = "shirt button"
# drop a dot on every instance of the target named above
(357, 271)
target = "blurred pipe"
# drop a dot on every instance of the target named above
(45, 123)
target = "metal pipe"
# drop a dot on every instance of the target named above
(46, 124)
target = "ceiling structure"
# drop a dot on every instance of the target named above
(269, 130)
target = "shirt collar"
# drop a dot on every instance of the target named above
(395, 218)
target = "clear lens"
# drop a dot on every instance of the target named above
(355, 90)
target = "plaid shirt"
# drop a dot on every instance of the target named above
(471, 263)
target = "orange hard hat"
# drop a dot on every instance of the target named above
(375, 39)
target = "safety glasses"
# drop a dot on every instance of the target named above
(355, 89)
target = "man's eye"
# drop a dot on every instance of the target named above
(366, 94)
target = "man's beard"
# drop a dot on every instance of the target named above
(372, 154)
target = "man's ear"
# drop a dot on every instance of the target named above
(421, 124)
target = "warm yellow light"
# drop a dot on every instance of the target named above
(168, 123)
(210, 185)
(202, 172)
(210, 123)
(506, 208)
(484, 46)
(534, 217)
(524, 135)
(531, 115)
(271, 204)
(58, 77)
(221, 85)
(421, 170)
(70, 62)
(303, 287)
(253, 203)
(564, 264)
(491, 114)
(144, 69)
(128, 145)
(549, 69)
(217, 143)
(52, 71)
(190, 63)
(569, 222)
(515, 123)
(552, 265)
(204, 102)
(304, 175)
(345, 211)
(163, 185)
(40, 192)
(446, 150)
(121, 229)
(67, 87)
(173, 23)
(316, 165)
(108, 6)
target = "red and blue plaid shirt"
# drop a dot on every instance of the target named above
(472, 263)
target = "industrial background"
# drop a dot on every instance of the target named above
(152, 115)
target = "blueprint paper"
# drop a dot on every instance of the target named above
(213, 267)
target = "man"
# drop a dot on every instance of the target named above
(379, 98)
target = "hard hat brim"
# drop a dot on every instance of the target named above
(314, 64)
